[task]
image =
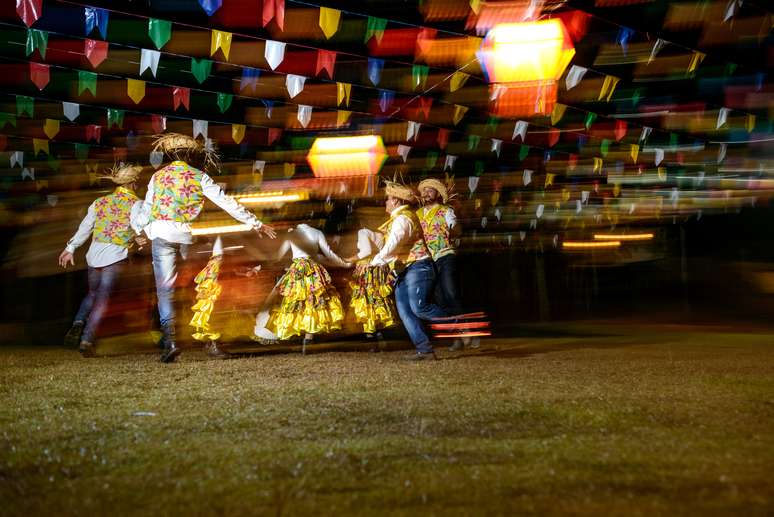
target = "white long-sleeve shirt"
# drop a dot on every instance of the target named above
(174, 231)
(369, 243)
(402, 228)
(305, 241)
(100, 254)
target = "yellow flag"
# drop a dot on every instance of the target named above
(558, 113)
(342, 117)
(459, 112)
(616, 189)
(38, 145)
(495, 198)
(51, 128)
(458, 79)
(220, 40)
(135, 89)
(597, 165)
(475, 6)
(608, 87)
(329, 21)
(288, 169)
(696, 58)
(750, 123)
(344, 90)
(634, 152)
(662, 173)
(39, 184)
(237, 132)
(549, 179)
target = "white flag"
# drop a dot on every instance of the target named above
(731, 9)
(496, 145)
(28, 173)
(578, 206)
(449, 162)
(659, 156)
(156, 158)
(539, 211)
(722, 117)
(149, 59)
(403, 151)
(645, 133)
(473, 183)
(527, 177)
(17, 157)
(274, 53)
(413, 130)
(304, 114)
(200, 128)
(721, 152)
(498, 214)
(657, 46)
(259, 165)
(294, 84)
(584, 196)
(522, 235)
(520, 130)
(574, 76)
(71, 110)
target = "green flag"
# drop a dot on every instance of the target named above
(473, 141)
(26, 105)
(604, 147)
(37, 40)
(87, 81)
(81, 152)
(523, 152)
(673, 138)
(8, 118)
(590, 118)
(201, 68)
(159, 31)
(479, 168)
(419, 76)
(115, 116)
(375, 27)
(224, 101)
(491, 125)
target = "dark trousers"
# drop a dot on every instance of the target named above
(447, 291)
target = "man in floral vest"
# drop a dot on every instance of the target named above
(175, 198)
(107, 222)
(405, 251)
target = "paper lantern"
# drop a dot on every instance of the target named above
(529, 51)
(347, 156)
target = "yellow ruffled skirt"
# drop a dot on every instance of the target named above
(371, 298)
(207, 291)
(310, 303)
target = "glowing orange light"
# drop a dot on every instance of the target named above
(347, 156)
(623, 237)
(267, 198)
(590, 244)
(529, 51)
(465, 334)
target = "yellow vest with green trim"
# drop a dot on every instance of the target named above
(113, 213)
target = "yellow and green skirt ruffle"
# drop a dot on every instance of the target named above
(207, 291)
(371, 298)
(310, 303)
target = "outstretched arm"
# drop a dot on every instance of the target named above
(232, 207)
(326, 250)
(77, 240)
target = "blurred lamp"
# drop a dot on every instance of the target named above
(528, 51)
(347, 156)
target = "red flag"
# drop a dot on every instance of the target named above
(29, 10)
(274, 134)
(326, 60)
(159, 123)
(274, 9)
(620, 129)
(180, 96)
(553, 136)
(96, 51)
(93, 132)
(425, 40)
(572, 161)
(424, 106)
(40, 75)
(443, 137)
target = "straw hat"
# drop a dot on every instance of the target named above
(396, 188)
(444, 189)
(123, 174)
(176, 146)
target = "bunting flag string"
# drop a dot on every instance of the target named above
(329, 21)
(159, 32)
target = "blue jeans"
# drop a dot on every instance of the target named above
(446, 290)
(165, 272)
(412, 297)
(93, 306)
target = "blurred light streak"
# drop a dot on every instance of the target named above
(347, 156)
(266, 198)
(223, 228)
(590, 244)
(623, 236)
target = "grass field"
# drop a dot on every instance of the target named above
(613, 420)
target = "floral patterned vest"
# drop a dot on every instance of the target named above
(177, 193)
(414, 248)
(436, 230)
(113, 212)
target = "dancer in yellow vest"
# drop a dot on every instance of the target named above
(175, 198)
(405, 251)
(108, 223)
